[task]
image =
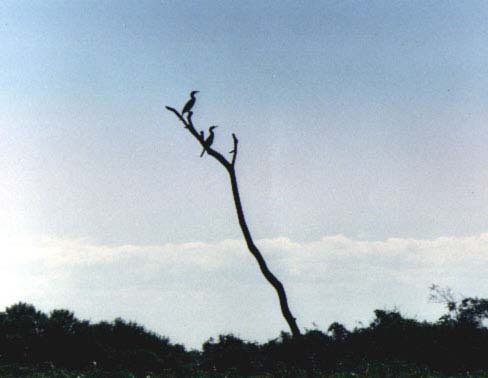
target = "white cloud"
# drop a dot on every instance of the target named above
(192, 291)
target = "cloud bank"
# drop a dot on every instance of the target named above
(192, 291)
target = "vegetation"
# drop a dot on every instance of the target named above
(34, 344)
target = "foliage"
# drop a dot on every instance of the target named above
(34, 344)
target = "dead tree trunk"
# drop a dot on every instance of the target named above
(230, 168)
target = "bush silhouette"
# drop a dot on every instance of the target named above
(390, 345)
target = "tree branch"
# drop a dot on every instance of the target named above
(234, 151)
(178, 115)
(230, 167)
(191, 128)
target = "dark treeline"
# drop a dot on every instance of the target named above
(456, 343)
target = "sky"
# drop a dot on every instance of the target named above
(362, 159)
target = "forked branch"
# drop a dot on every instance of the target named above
(230, 167)
(188, 123)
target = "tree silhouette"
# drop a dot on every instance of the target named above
(33, 344)
(230, 168)
(467, 311)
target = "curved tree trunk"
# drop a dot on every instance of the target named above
(230, 167)
(270, 277)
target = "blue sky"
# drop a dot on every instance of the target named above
(362, 119)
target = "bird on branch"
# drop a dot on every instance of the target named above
(189, 105)
(208, 142)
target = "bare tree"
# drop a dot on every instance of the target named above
(229, 166)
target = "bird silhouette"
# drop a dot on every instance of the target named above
(189, 105)
(208, 142)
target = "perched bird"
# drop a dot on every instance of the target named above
(189, 105)
(209, 140)
(202, 135)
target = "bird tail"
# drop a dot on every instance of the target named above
(202, 152)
